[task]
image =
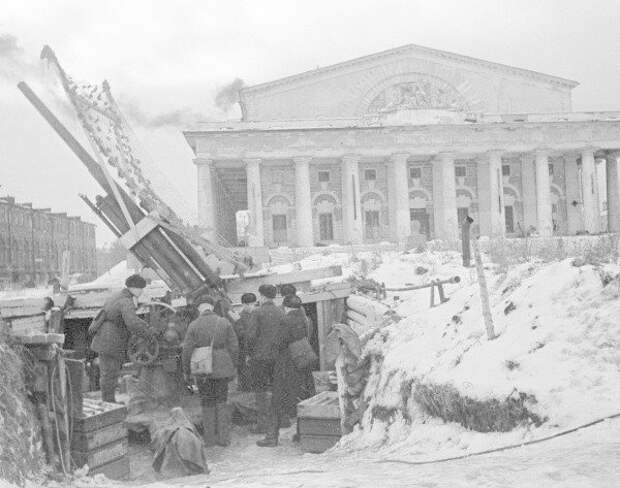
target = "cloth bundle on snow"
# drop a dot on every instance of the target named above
(179, 449)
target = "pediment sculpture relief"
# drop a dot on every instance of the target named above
(420, 94)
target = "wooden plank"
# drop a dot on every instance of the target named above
(115, 470)
(42, 338)
(320, 324)
(111, 414)
(323, 405)
(76, 369)
(317, 443)
(137, 232)
(62, 372)
(322, 426)
(251, 282)
(102, 455)
(26, 325)
(88, 441)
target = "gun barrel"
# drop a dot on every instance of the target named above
(453, 280)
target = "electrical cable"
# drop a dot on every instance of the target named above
(499, 449)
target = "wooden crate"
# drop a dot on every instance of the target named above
(94, 439)
(323, 405)
(317, 444)
(314, 426)
(100, 456)
(318, 422)
(115, 470)
(107, 414)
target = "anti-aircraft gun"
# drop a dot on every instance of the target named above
(187, 262)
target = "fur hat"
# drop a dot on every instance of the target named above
(247, 298)
(135, 281)
(268, 291)
(292, 301)
(288, 289)
(203, 299)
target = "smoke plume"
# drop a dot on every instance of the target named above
(180, 118)
(13, 61)
(228, 95)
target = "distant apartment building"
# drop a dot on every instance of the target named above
(33, 241)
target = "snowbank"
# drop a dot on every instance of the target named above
(558, 343)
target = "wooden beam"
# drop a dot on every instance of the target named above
(141, 229)
(251, 281)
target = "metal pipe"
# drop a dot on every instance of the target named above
(454, 279)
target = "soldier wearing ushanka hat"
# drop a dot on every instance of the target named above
(112, 329)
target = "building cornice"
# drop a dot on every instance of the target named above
(383, 141)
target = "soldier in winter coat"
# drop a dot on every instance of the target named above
(119, 322)
(209, 329)
(248, 300)
(290, 385)
(261, 339)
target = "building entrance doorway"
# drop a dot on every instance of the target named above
(371, 224)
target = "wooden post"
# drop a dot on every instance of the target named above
(62, 372)
(484, 292)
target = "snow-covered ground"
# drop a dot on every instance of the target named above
(585, 459)
(558, 341)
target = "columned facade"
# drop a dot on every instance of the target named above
(353, 198)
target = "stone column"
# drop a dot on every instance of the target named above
(544, 222)
(351, 202)
(491, 195)
(444, 198)
(206, 197)
(400, 187)
(303, 202)
(255, 202)
(613, 192)
(528, 192)
(591, 214)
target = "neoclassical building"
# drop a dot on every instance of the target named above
(406, 141)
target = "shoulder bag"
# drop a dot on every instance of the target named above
(201, 362)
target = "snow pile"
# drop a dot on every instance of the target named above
(557, 352)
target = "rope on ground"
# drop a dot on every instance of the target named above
(499, 449)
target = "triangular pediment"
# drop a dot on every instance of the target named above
(411, 77)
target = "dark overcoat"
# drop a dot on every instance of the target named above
(120, 323)
(290, 385)
(262, 331)
(209, 328)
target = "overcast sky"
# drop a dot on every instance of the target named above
(166, 60)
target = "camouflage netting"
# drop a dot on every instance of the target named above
(21, 455)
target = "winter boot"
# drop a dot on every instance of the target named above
(273, 431)
(223, 424)
(209, 425)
